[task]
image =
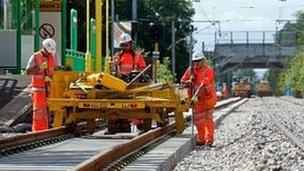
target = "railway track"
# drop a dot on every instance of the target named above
(57, 149)
(285, 127)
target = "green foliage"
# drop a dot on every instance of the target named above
(163, 71)
(293, 74)
(300, 26)
(293, 31)
(272, 76)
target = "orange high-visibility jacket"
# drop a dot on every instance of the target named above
(129, 61)
(38, 76)
(202, 75)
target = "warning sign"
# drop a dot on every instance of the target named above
(46, 30)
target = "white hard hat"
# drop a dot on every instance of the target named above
(125, 38)
(198, 56)
(50, 45)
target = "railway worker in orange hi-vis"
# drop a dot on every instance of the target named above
(41, 66)
(200, 80)
(124, 63)
(127, 60)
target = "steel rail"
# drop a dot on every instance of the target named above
(105, 158)
(101, 159)
(16, 141)
(283, 129)
(23, 140)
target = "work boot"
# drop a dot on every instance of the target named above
(199, 143)
(209, 143)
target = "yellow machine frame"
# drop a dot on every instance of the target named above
(153, 101)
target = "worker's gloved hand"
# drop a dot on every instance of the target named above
(43, 66)
(187, 83)
(47, 79)
(194, 99)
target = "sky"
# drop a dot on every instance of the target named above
(239, 16)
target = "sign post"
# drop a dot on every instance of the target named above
(46, 30)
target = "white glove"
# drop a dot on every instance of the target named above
(194, 99)
(43, 66)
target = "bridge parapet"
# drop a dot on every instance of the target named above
(254, 52)
(255, 37)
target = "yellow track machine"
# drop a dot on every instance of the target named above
(79, 96)
(242, 88)
(264, 89)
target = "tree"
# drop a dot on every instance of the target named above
(163, 71)
(292, 32)
(272, 76)
(293, 73)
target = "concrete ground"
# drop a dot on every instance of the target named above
(15, 97)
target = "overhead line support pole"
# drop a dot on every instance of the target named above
(37, 20)
(98, 22)
(173, 47)
(112, 27)
(88, 60)
(107, 29)
(134, 18)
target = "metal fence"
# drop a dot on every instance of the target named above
(75, 59)
(256, 37)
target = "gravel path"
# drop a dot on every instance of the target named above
(294, 110)
(247, 140)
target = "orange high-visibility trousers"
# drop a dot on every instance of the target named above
(40, 113)
(203, 121)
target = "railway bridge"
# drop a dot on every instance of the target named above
(253, 49)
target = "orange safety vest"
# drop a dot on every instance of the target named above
(202, 75)
(38, 76)
(129, 61)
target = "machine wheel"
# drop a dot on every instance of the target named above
(164, 119)
(72, 129)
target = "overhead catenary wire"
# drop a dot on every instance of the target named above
(204, 13)
(295, 29)
(185, 38)
(228, 70)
